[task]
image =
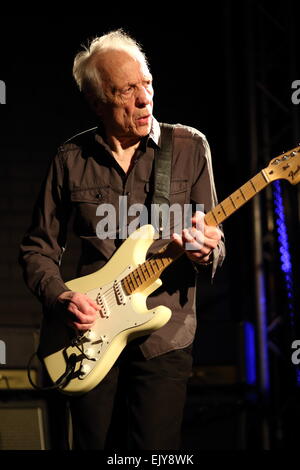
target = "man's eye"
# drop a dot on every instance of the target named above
(127, 90)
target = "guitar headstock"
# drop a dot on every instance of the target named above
(285, 166)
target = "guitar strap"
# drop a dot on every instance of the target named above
(162, 177)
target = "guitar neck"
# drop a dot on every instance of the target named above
(237, 199)
(146, 273)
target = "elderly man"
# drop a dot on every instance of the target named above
(100, 166)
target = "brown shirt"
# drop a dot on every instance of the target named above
(84, 175)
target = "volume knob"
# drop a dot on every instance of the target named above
(90, 335)
(84, 369)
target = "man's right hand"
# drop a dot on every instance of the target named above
(81, 311)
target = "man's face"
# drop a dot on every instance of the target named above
(127, 84)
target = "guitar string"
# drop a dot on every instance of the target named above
(109, 295)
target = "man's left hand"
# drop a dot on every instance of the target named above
(199, 240)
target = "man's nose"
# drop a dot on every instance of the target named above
(143, 97)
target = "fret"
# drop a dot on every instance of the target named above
(159, 263)
(151, 266)
(136, 272)
(130, 286)
(242, 194)
(253, 186)
(133, 281)
(264, 176)
(223, 208)
(142, 277)
(237, 198)
(155, 261)
(125, 285)
(232, 202)
(146, 264)
(227, 207)
(144, 271)
(213, 214)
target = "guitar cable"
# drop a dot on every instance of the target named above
(63, 379)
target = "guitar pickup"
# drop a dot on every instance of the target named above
(119, 293)
(104, 309)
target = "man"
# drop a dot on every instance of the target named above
(99, 166)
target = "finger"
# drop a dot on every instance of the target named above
(198, 214)
(197, 235)
(177, 239)
(82, 326)
(212, 232)
(80, 316)
(209, 230)
(93, 303)
(209, 240)
(84, 304)
(192, 241)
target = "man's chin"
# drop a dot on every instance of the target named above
(144, 129)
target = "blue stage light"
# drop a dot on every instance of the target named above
(285, 254)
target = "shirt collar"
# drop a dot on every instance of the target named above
(154, 134)
(153, 137)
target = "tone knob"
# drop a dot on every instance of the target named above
(90, 335)
(89, 353)
(85, 369)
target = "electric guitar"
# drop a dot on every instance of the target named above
(122, 286)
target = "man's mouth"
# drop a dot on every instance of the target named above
(143, 120)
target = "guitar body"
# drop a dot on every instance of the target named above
(123, 317)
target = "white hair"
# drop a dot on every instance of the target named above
(85, 71)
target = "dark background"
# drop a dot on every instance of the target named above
(226, 69)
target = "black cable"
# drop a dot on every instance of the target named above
(62, 381)
(6, 380)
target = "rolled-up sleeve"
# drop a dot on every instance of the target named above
(43, 245)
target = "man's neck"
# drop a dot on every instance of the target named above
(123, 151)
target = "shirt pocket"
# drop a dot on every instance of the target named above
(85, 202)
(90, 195)
(179, 191)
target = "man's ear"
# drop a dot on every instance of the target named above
(97, 107)
(95, 104)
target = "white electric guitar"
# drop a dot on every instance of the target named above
(122, 286)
